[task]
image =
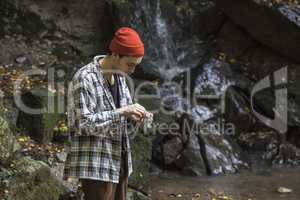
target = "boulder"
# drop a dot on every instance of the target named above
(274, 25)
(171, 150)
(33, 180)
(191, 161)
(222, 154)
(141, 156)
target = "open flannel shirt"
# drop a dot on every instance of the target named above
(96, 130)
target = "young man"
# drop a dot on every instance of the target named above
(98, 108)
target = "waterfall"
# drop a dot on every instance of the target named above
(168, 64)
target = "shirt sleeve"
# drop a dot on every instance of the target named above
(88, 121)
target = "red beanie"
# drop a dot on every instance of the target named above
(127, 42)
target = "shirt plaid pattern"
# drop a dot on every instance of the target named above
(96, 130)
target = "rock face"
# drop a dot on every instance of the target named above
(55, 37)
(190, 160)
(62, 28)
(274, 25)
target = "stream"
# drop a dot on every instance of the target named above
(244, 186)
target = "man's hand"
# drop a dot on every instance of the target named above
(135, 112)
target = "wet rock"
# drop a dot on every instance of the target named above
(213, 78)
(172, 149)
(168, 139)
(222, 154)
(169, 145)
(202, 113)
(190, 161)
(221, 92)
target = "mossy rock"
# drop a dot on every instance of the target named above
(141, 153)
(8, 143)
(34, 181)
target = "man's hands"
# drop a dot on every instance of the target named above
(135, 112)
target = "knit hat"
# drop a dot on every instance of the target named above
(127, 42)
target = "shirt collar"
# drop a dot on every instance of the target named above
(96, 60)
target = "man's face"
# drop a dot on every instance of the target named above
(127, 64)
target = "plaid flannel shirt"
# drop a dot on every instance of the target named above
(96, 130)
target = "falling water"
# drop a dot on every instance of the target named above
(169, 66)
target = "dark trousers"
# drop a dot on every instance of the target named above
(101, 190)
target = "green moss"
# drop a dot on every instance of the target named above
(33, 181)
(47, 191)
(28, 190)
(141, 152)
